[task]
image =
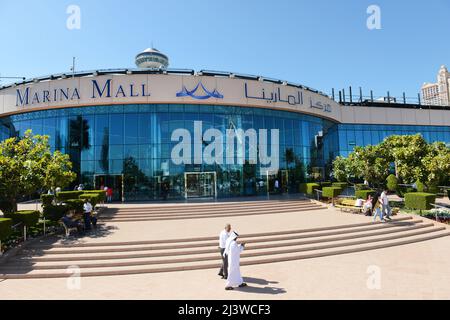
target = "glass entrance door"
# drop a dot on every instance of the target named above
(115, 182)
(200, 185)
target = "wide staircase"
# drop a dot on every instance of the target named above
(53, 259)
(207, 210)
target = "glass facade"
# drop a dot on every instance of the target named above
(128, 147)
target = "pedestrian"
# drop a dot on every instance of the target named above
(223, 237)
(385, 204)
(277, 186)
(377, 209)
(233, 252)
(87, 208)
(109, 194)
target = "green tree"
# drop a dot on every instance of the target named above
(24, 166)
(369, 163)
(405, 152)
(58, 171)
(435, 166)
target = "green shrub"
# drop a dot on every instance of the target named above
(47, 199)
(392, 183)
(93, 198)
(341, 185)
(420, 187)
(433, 189)
(68, 195)
(308, 188)
(331, 192)
(74, 204)
(6, 206)
(419, 200)
(28, 218)
(54, 213)
(5, 228)
(361, 186)
(364, 194)
(325, 184)
(100, 193)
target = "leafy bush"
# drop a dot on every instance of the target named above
(420, 187)
(364, 194)
(331, 192)
(93, 198)
(341, 185)
(361, 186)
(68, 195)
(308, 188)
(47, 199)
(392, 183)
(5, 228)
(74, 204)
(325, 184)
(6, 206)
(29, 218)
(419, 200)
(100, 193)
(54, 213)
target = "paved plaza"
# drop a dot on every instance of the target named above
(405, 260)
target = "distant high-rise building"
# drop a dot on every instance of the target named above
(438, 93)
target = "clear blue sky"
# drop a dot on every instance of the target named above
(320, 43)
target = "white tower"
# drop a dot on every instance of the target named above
(152, 58)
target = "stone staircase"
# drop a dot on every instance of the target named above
(57, 260)
(211, 210)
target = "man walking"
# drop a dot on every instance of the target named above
(385, 208)
(223, 237)
(233, 252)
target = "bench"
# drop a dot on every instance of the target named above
(348, 205)
(67, 229)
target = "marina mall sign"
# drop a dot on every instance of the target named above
(173, 89)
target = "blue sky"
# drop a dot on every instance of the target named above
(321, 43)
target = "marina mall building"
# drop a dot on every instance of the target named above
(200, 134)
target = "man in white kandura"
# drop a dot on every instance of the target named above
(223, 237)
(233, 251)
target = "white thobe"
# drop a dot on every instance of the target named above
(234, 270)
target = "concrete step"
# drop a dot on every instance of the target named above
(79, 259)
(334, 228)
(205, 209)
(105, 215)
(265, 257)
(262, 238)
(194, 216)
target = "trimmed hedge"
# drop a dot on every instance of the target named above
(93, 198)
(364, 194)
(419, 200)
(325, 184)
(100, 193)
(420, 187)
(29, 218)
(75, 204)
(54, 213)
(331, 192)
(392, 183)
(5, 228)
(6, 206)
(308, 188)
(361, 186)
(68, 195)
(341, 185)
(47, 199)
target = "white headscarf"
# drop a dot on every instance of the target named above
(233, 236)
